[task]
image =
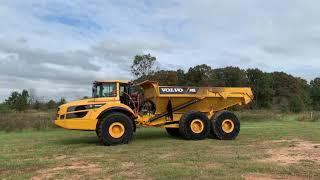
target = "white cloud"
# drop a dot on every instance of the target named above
(59, 47)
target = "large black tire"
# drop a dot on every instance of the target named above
(120, 121)
(186, 130)
(98, 131)
(225, 125)
(173, 132)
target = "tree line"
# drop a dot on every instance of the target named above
(24, 100)
(272, 90)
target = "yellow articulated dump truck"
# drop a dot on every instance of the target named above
(193, 113)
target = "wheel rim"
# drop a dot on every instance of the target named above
(197, 126)
(116, 129)
(227, 126)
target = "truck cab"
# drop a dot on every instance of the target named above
(112, 90)
(107, 96)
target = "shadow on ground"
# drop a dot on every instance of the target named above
(92, 140)
(138, 136)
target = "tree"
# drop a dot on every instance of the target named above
(12, 99)
(143, 65)
(51, 104)
(199, 75)
(286, 86)
(168, 78)
(315, 93)
(182, 79)
(296, 105)
(63, 101)
(4, 108)
(18, 101)
(261, 84)
(37, 105)
(229, 77)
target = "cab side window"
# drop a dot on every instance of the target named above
(124, 89)
(108, 90)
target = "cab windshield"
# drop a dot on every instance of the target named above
(104, 90)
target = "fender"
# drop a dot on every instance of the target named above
(123, 110)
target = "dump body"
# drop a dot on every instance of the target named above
(204, 99)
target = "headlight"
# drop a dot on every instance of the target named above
(95, 106)
(84, 107)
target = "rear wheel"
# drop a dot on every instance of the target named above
(194, 125)
(225, 125)
(116, 128)
(173, 132)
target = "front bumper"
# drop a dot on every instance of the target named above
(77, 124)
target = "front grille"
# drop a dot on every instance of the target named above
(76, 115)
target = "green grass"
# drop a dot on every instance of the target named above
(152, 154)
(31, 119)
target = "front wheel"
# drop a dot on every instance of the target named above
(116, 128)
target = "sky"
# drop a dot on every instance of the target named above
(58, 48)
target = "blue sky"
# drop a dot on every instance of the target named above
(58, 47)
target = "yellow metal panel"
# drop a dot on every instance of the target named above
(78, 124)
(111, 104)
(170, 126)
(90, 120)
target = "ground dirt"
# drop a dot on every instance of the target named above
(256, 176)
(293, 152)
(81, 167)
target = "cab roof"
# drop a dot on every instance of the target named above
(110, 81)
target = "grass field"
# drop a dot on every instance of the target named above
(274, 148)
